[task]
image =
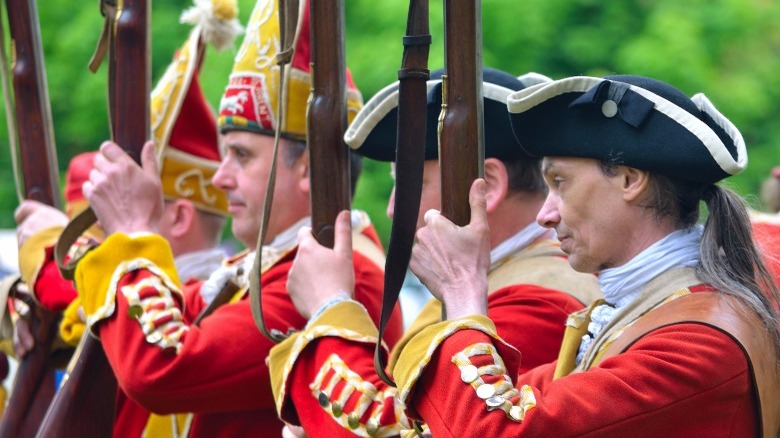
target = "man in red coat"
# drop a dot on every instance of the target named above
(130, 290)
(684, 342)
(528, 278)
(187, 147)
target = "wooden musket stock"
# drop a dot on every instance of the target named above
(461, 131)
(86, 404)
(327, 119)
(461, 136)
(34, 385)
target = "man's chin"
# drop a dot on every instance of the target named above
(246, 236)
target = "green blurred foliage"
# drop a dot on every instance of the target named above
(728, 49)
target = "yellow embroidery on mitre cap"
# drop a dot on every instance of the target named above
(370, 400)
(419, 350)
(170, 91)
(251, 100)
(347, 320)
(150, 301)
(251, 97)
(119, 254)
(32, 254)
(188, 176)
(500, 394)
(214, 22)
(181, 118)
(72, 326)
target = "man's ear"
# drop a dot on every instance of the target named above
(183, 217)
(635, 183)
(496, 183)
(302, 171)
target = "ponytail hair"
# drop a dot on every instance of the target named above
(731, 262)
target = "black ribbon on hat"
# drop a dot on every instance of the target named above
(632, 107)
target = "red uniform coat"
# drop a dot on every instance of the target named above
(217, 370)
(680, 380)
(320, 383)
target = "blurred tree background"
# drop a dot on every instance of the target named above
(728, 49)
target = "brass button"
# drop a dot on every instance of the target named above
(335, 407)
(469, 373)
(323, 399)
(135, 311)
(353, 420)
(372, 426)
(485, 391)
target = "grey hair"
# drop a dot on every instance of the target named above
(731, 261)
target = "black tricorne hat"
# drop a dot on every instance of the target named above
(632, 120)
(373, 132)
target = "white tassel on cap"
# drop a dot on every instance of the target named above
(217, 19)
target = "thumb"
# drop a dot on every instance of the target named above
(305, 236)
(478, 202)
(149, 160)
(23, 210)
(342, 239)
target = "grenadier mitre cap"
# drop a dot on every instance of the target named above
(631, 120)
(77, 174)
(183, 123)
(373, 133)
(251, 99)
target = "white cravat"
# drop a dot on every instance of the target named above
(623, 284)
(199, 264)
(239, 273)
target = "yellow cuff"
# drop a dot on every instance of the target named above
(72, 327)
(32, 254)
(347, 320)
(99, 272)
(419, 350)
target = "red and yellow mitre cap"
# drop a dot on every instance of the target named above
(251, 99)
(183, 123)
(77, 175)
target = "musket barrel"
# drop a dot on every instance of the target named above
(86, 403)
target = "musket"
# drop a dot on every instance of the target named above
(34, 385)
(410, 157)
(461, 131)
(86, 402)
(326, 123)
(327, 119)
